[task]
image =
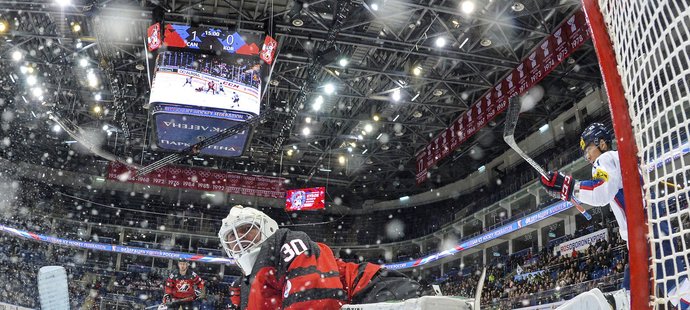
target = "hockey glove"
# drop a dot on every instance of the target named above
(197, 294)
(167, 298)
(558, 185)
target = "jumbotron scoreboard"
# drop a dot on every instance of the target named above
(205, 79)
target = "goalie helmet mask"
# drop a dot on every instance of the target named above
(242, 232)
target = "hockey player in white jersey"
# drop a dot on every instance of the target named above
(606, 187)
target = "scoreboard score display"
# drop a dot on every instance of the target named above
(208, 39)
(205, 80)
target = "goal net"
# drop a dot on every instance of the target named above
(643, 48)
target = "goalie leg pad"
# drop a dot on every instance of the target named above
(590, 300)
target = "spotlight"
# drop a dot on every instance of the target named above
(317, 103)
(341, 159)
(37, 92)
(76, 27)
(368, 128)
(343, 62)
(97, 97)
(105, 127)
(376, 118)
(467, 6)
(4, 26)
(91, 78)
(375, 6)
(289, 152)
(83, 62)
(396, 94)
(440, 42)
(417, 70)
(63, 3)
(17, 55)
(57, 128)
(306, 131)
(308, 120)
(329, 88)
(31, 80)
(97, 109)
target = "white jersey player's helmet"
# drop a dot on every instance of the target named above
(242, 233)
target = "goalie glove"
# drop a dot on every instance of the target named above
(559, 185)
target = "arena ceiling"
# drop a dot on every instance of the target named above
(434, 57)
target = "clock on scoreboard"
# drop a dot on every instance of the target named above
(208, 39)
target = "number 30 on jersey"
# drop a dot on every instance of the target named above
(293, 248)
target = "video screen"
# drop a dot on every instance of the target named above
(216, 82)
(305, 199)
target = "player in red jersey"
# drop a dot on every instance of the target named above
(285, 269)
(182, 288)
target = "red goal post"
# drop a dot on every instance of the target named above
(644, 56)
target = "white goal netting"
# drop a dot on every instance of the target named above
(652, 47)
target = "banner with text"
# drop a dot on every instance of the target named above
(582, 243)
(203, 180)
(544, 58)
(535, 217)
(116, 248)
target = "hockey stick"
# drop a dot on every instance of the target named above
(478, 293)
(512, 116)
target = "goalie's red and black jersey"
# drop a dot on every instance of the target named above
(293, 272)
(182, 286)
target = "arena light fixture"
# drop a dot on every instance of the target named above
(308, 120)
(440, 42)
(375, 6)
(97, 97)
(376, 118)
(368, 128)
(467, 6)
(518, 7)
(31, 80)
(4, 26)
(57, 128)
(329, 88)
(76, 27)
(83, 62)
(17, 56)
(37, 92)
(97, 109)
(317, 103)
(91, 79)
(417, 70)
(306, 131)
(341, 159)
(396, 94)
(63, 3)
(343, 62)
(290, 152)
(544, 128)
